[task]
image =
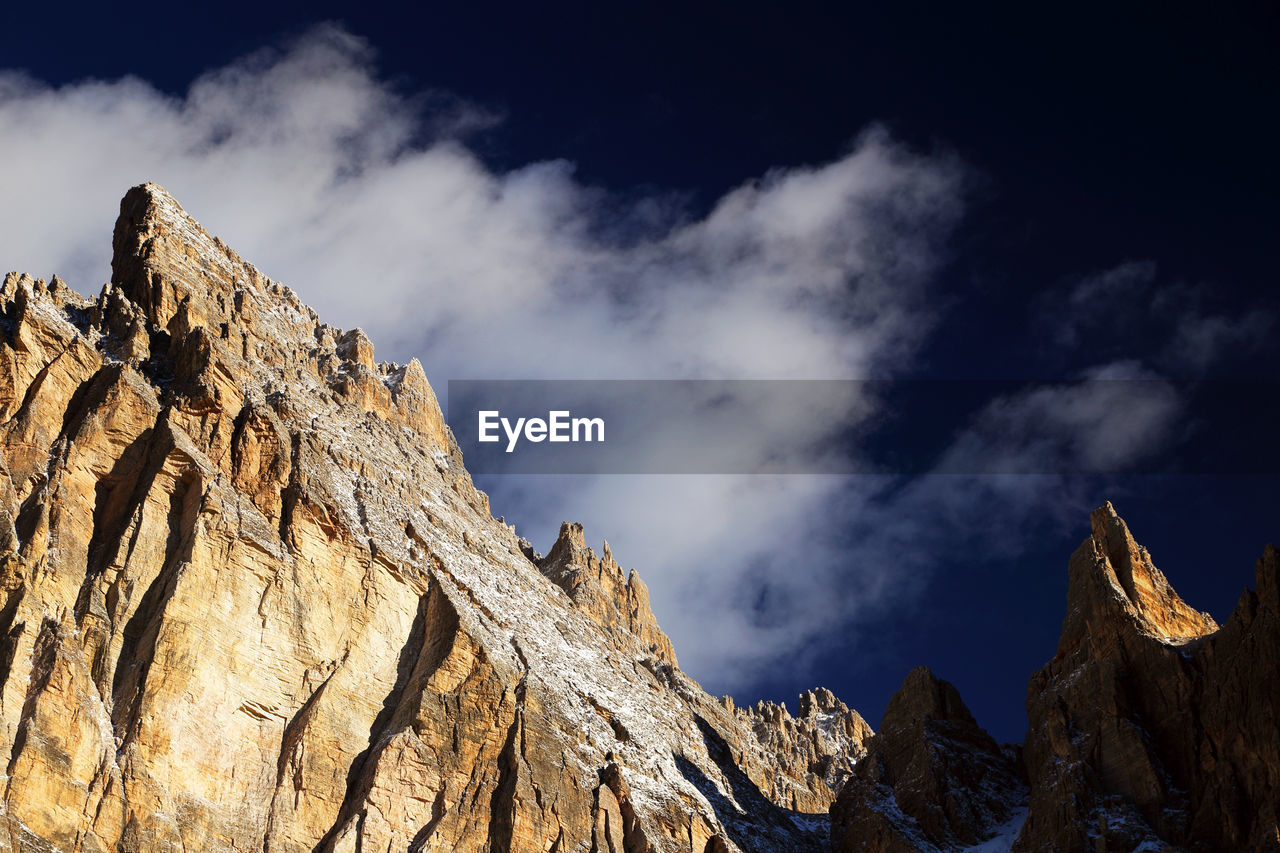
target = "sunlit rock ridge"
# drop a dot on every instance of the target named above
(252, 601)
(1152, 729)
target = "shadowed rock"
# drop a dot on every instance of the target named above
(931, 779)
(1152, 725)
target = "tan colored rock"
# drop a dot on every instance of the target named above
(819, 747)
(616, 601)
(1152, 725)
(252, 601)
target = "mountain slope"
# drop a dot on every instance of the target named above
(932, 778)
(252, 601)
(1153, 728)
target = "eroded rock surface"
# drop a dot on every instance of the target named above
(615, 600)
(820, 745)
(1152, 728)
(932, 779)
(252, 601)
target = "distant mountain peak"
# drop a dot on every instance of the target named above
(1153, 725)
(1114, 585)
(614, 600)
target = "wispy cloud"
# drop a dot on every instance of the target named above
(1113, 416)
(1128, 313)
(369, 202)
(326, 175)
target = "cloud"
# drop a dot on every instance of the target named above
(1203, 340)
(1128, 313)
(1114, 416)
(369, 203)
(1090, 302)
(329, 178)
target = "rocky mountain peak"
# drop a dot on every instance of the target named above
(821, 745)
(165, 264)
(1114, 585)
(932, 778)
(251, 599)
(355, 346)
(820, 700)
(598, 586)
(1153, 727)
(924, 697)
(570, 550)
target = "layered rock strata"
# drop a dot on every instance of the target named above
(252, 601)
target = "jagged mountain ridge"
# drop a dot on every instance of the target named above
(253, 601)
(1153, 729)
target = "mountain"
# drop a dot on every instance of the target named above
(1152, 729)
(252, 601)
(932, 779)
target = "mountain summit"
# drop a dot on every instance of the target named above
(1153, 728)
(252, 601)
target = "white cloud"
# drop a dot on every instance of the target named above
(314, 168)
(1115, 415)
(369, 203)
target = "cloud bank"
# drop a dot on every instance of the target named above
(1127, 313)
(369, 203)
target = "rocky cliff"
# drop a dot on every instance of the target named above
(252, 601)
(820, 745)
(932, 779)
(615, 601)
(1153, 728)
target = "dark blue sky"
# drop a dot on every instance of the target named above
(1091, 136)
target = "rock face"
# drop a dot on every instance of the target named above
(252, 601)
(820, 745)
(616, 602)
(1152, 725)
(932, 779)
